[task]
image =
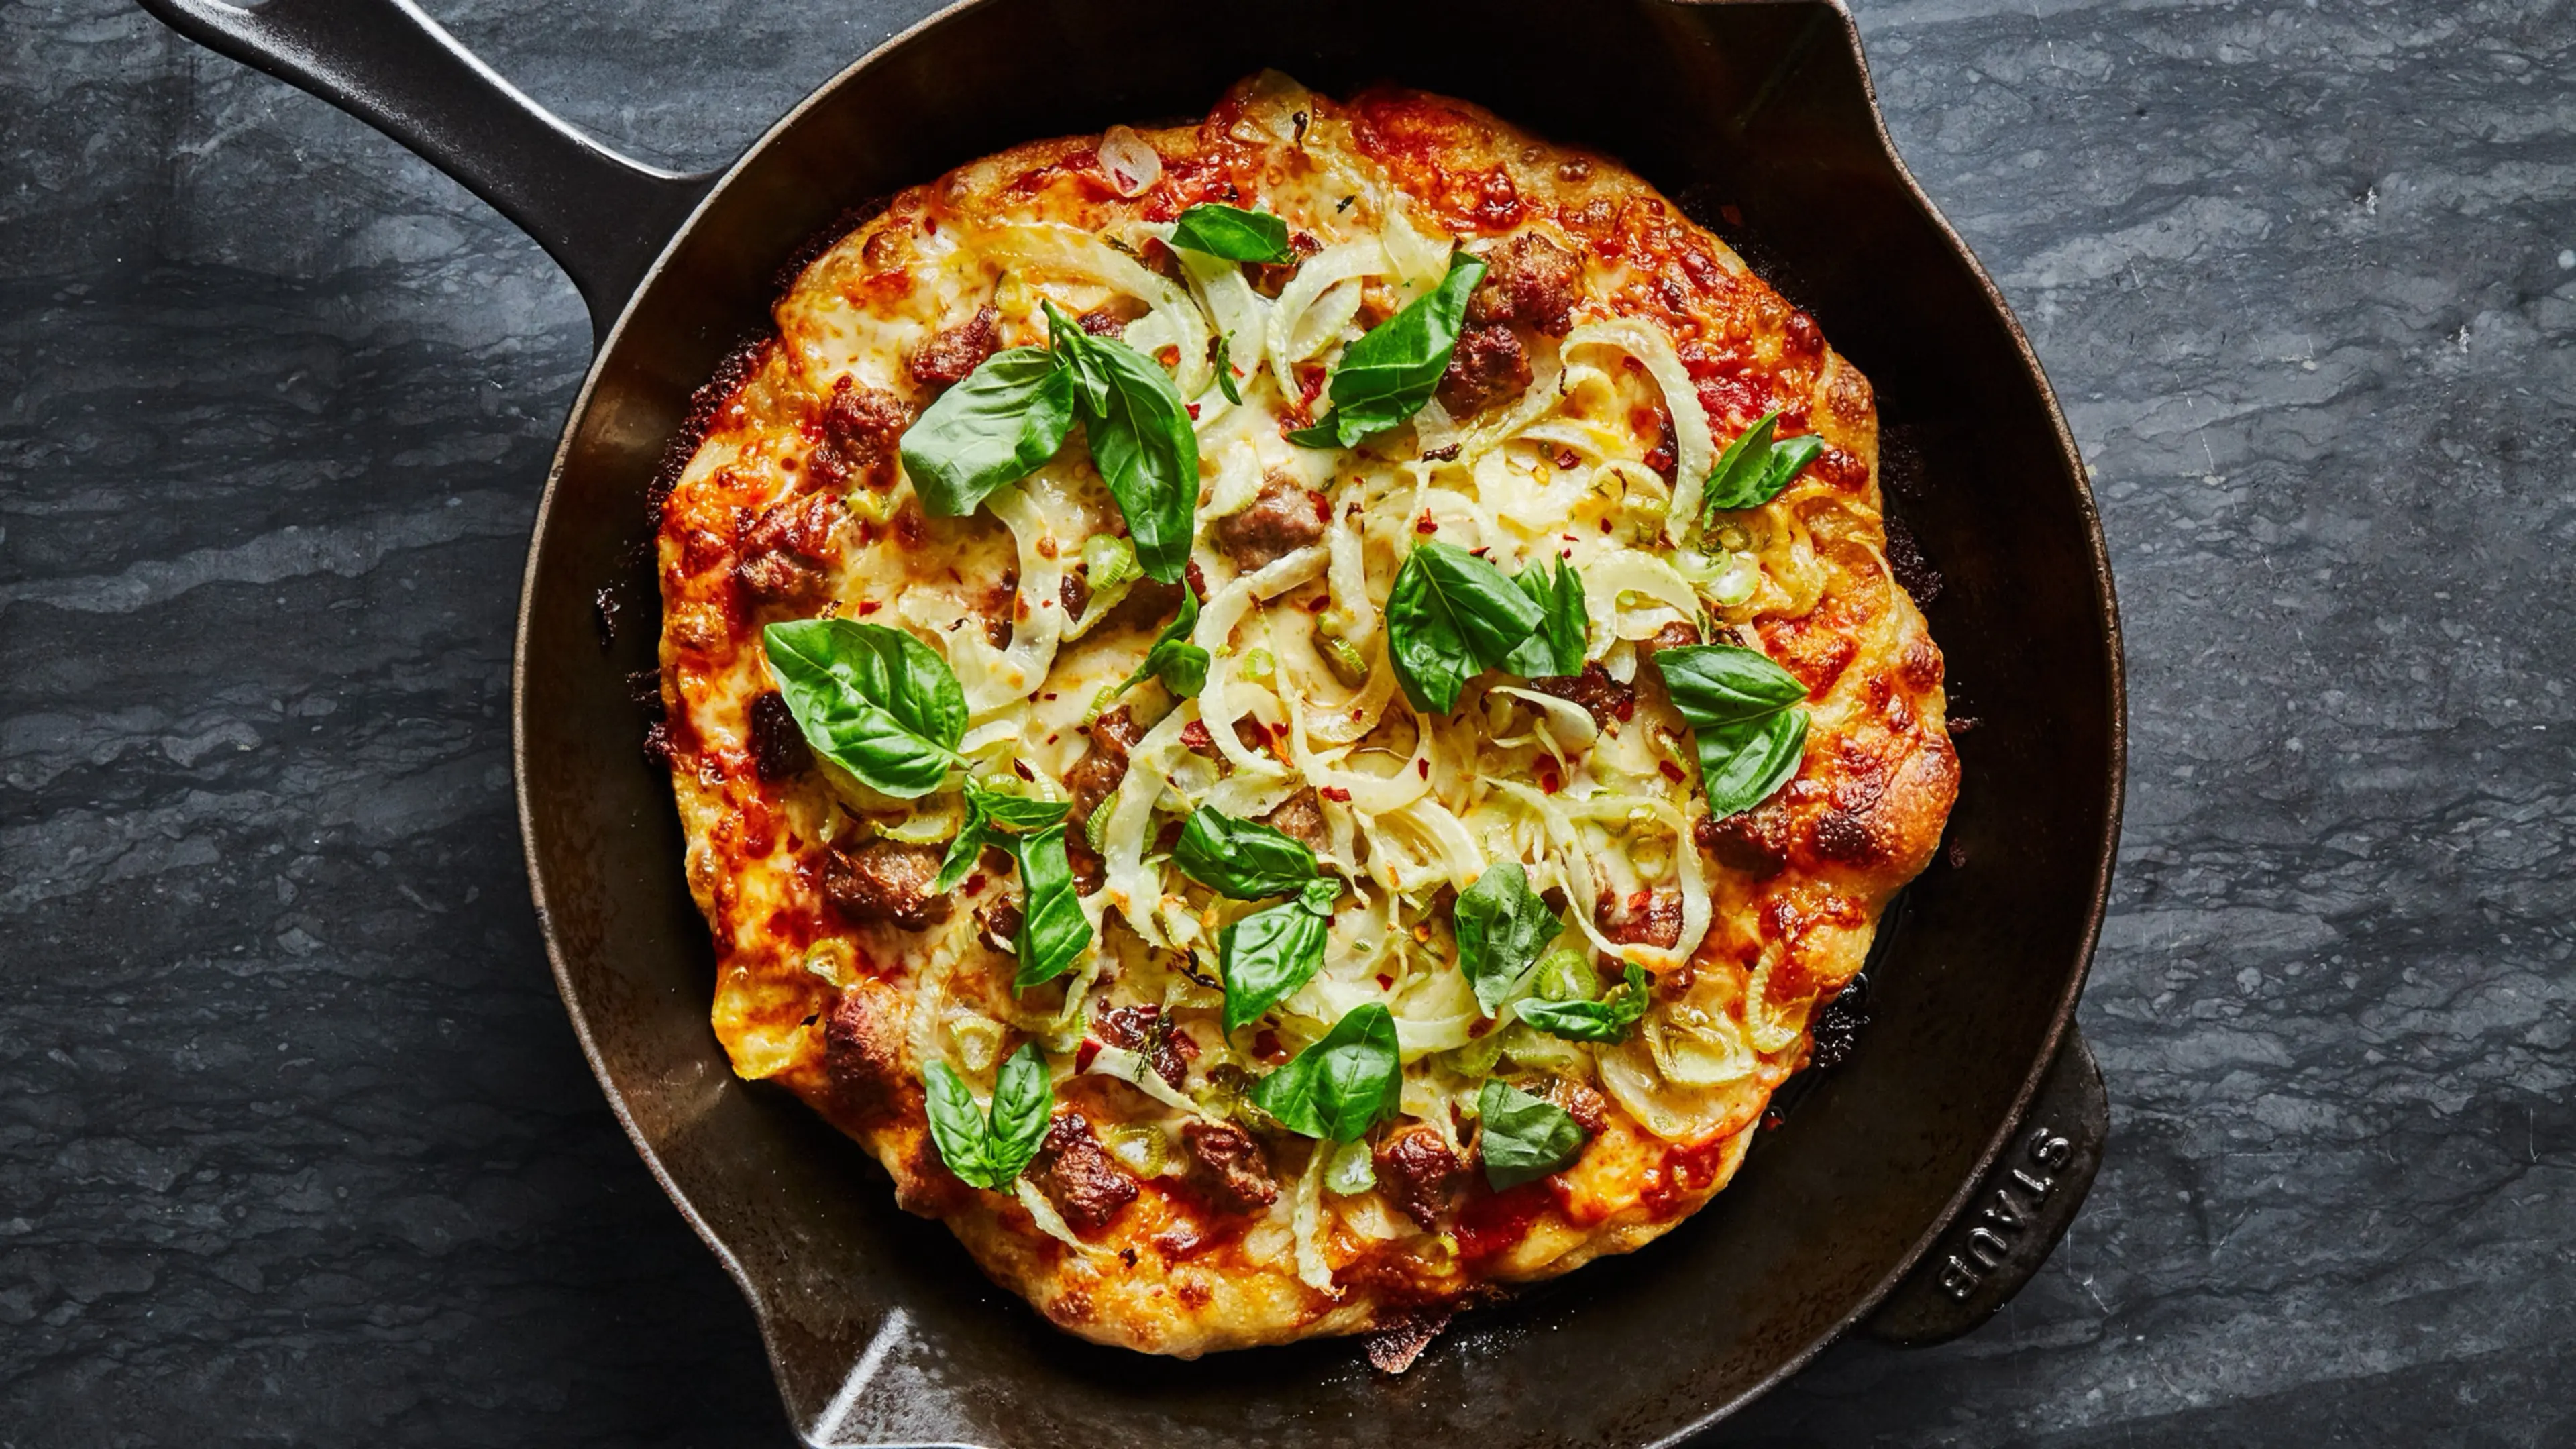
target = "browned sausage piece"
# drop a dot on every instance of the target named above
(885, 881)
(1529, 280)
(1300, 817)
(863, 1047)
(1000, 924)
(1416, 1168)
(1602, 697)
(1675, 635)
(1101, 767)
(1285, 517)
(1756, 840)
(778, 747)
(864, 425)
(950, 355)
(1488, 366)
(1587, 1107)
(785, 553)
(1144, 1029)
(1237, 1172)
(1645, 918)
(1078, 1176)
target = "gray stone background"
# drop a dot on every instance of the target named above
(295, 1146)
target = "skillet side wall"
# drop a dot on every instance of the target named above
(1758, 106)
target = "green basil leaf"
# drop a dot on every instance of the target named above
(1015, 812)
(1558, 646)
(1341, 1086)
(1449, 615)
(871, 699)
(998, 426)
(1754, 469)
(1523, 1139)
(1741, 764)
(1606, 1020)
(1053, 929)
(1233, 233)
(1244, 859)
(958, 1128)
(1266, 956)
(1180, 664)
(972, 836)
(1141, 440)
(1744, 719)
(1388, 375)
(1319, 894)
(1718, 684)
(1023, 1109)
(1225, 382)
(1502, 926)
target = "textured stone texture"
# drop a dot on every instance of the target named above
(295, 1146)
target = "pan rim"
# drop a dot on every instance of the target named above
(2097, 561)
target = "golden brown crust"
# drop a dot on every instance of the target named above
(793, 502)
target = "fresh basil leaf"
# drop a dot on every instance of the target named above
(1233, 233)
(988, 813)
(1744, 718)
(1502, 926)
(1225, 382)
(1740, 765)
(1053, 929)
(1449, 615)
(871, 699)
(1141, 441)
(1606, 1020)
(1266, 956)
(998, 426)
(1244, 859)
(1180, 664)
(958, 1128)
(972, 837)
(1015, 812)
(1388, 375)
(1754, 469)
(1319, 894)
(1522, 1138)
(1558, 646)
(1023, 1109)
(1341, 1086)
(1717, 684)
(991, 1152)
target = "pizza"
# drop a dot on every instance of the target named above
(1290, 720)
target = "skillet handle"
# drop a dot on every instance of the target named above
(601, 215)
(2023, 1207)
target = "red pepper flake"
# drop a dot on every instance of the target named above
(1319, 603)
(1671, 771)
(1021, 768)
(868, 606)
(1336, 794)
(1385, 982)
(1361, 714)
(1083, 1055)
(1051, 739)
(1266, 1046)
(974, 882)
(1278, 732)
(1550, 779)
(1605, 525)
(1169, 357)
(1425, 525)
(1194, 412)
(1566, 458)
(1626, 709)
(1423, 767)
(1050, 694)
(1195, 737)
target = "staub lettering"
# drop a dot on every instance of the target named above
(2010, 1202)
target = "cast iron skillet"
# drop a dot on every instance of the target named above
(1912, 1190)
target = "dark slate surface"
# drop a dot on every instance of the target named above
(295, 1146)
